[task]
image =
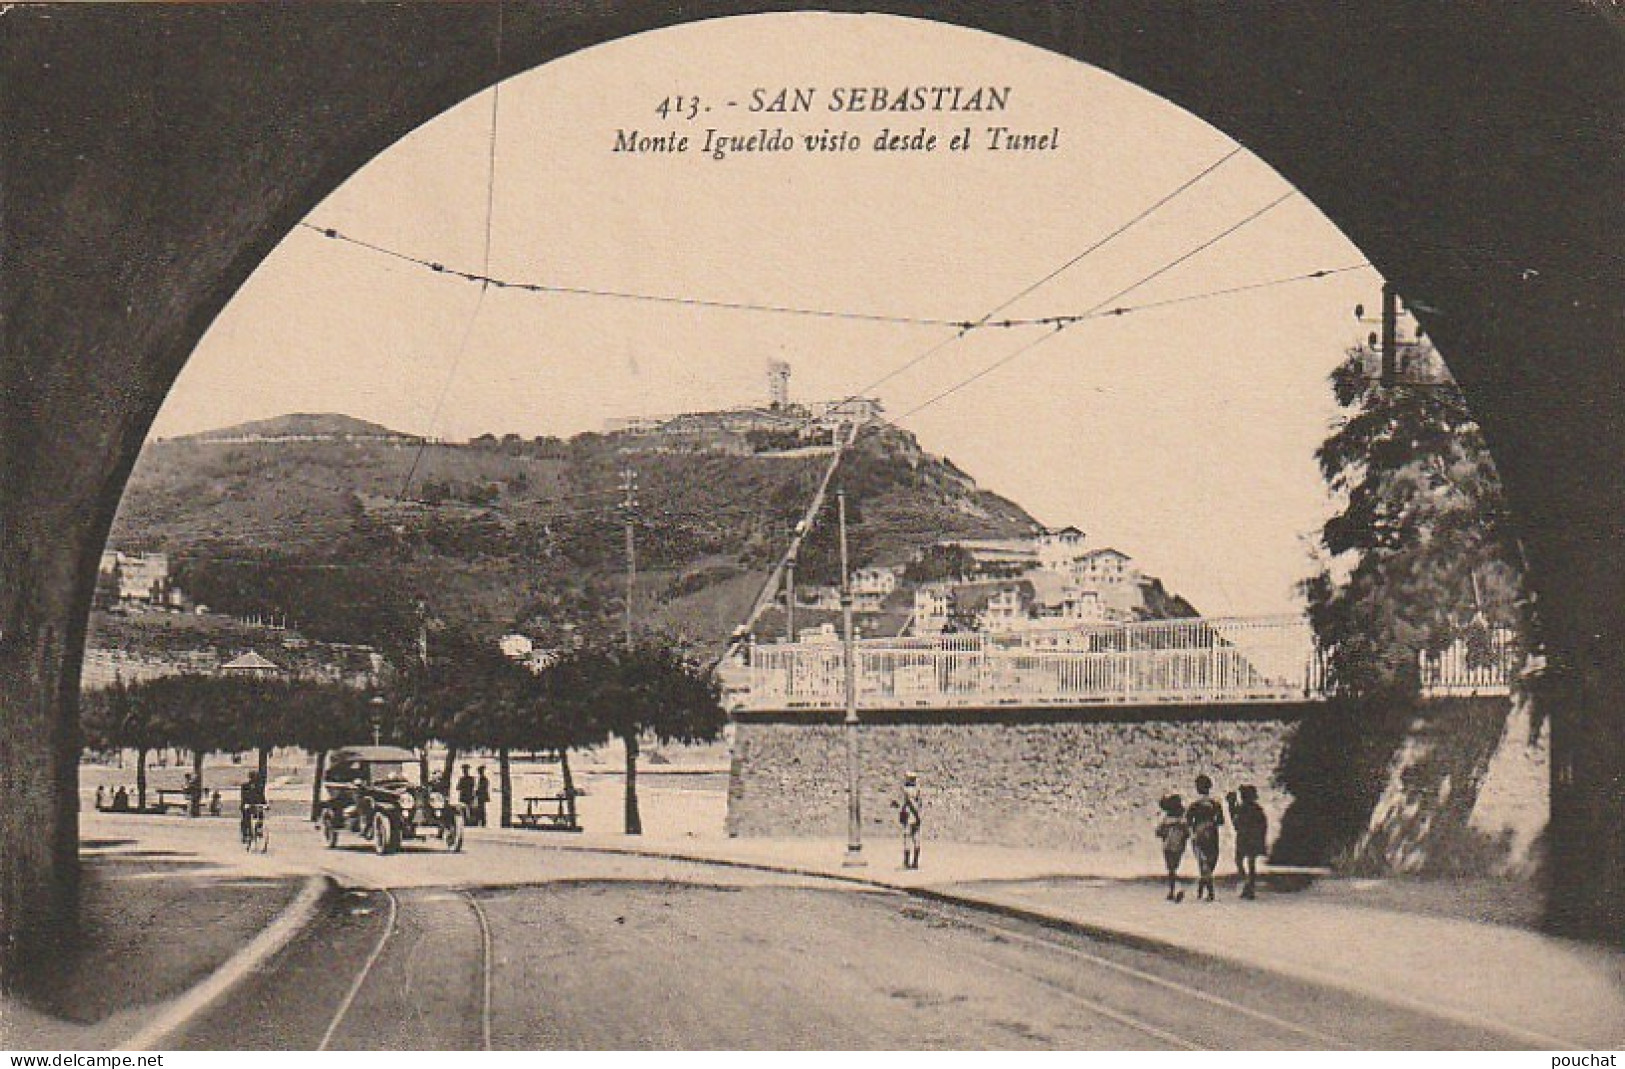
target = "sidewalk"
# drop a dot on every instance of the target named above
(158, 924)
(1542, 990)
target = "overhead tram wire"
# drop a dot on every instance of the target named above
(964, 326)
(491, 160)
(490, 209)
(970, 325)
(1063, 324)
(1122, 310)
(1103, 242)
(768, 513)
(766, 594)
(445, 388)
(495, 282)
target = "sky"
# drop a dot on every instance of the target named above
(1182, 435)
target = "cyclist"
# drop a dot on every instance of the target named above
(251, 797)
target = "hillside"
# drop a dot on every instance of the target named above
(300, 425)
(306, 516)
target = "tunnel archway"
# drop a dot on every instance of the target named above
(155, 157)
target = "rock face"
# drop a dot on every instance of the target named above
(1467, 794)
(1085, 780)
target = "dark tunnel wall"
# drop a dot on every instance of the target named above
(153, 155)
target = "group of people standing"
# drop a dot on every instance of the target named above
(1198, 826)
(475, 796)
(120, 802)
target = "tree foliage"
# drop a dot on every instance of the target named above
(939, 563)
(330, 604)
(1418, 557)
(216, 714)
(630, 691)
(469, 694)
(649, 688)
(1421, 552)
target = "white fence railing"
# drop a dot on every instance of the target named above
(1484, 667)
(1238, 659)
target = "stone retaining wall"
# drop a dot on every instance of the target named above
(1084, 779)
(1466, 792)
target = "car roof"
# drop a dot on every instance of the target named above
(359, 754)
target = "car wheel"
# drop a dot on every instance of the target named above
(330, 829)
(452, 831)
(384, 837)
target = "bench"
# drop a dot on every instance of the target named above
(172, 798)
(547, 813)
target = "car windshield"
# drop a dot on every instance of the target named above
(387, 772)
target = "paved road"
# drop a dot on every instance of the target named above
(586, 951)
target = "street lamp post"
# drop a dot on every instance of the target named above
(377, 703)
(854, 807)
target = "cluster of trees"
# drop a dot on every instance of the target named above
(437, 492)
(542, 446)
(468, 695)
(941, 563)
(338, 604)
(765, 441)
(465, 695)
(207, 714)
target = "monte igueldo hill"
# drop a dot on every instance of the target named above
(349, 534)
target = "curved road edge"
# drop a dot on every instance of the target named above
(1123, 935)
(179, 1011)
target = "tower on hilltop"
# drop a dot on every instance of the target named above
(778, 383)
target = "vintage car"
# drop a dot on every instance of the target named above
(374, 792)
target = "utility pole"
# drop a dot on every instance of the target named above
(423, 665)
(854, 807)
(1390, 335)
(423, 632)
(629, 504)
(790, 597)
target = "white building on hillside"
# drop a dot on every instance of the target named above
(1075, 607)
(1100, 568)
(1005, 611)
(141, 576)
(881, 581)
(515, 647)
(1059, 547)
(998, 556)
(860, 411)
(933, 606)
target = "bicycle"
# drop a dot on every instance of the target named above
(257, 836)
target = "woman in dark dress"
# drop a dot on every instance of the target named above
(1206, 817)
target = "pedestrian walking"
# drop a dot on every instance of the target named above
(214, 803)
(1175, 833)
(1252, 827)
(1205, 817)
(482, 799)
(910, 814)
(101, 801)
